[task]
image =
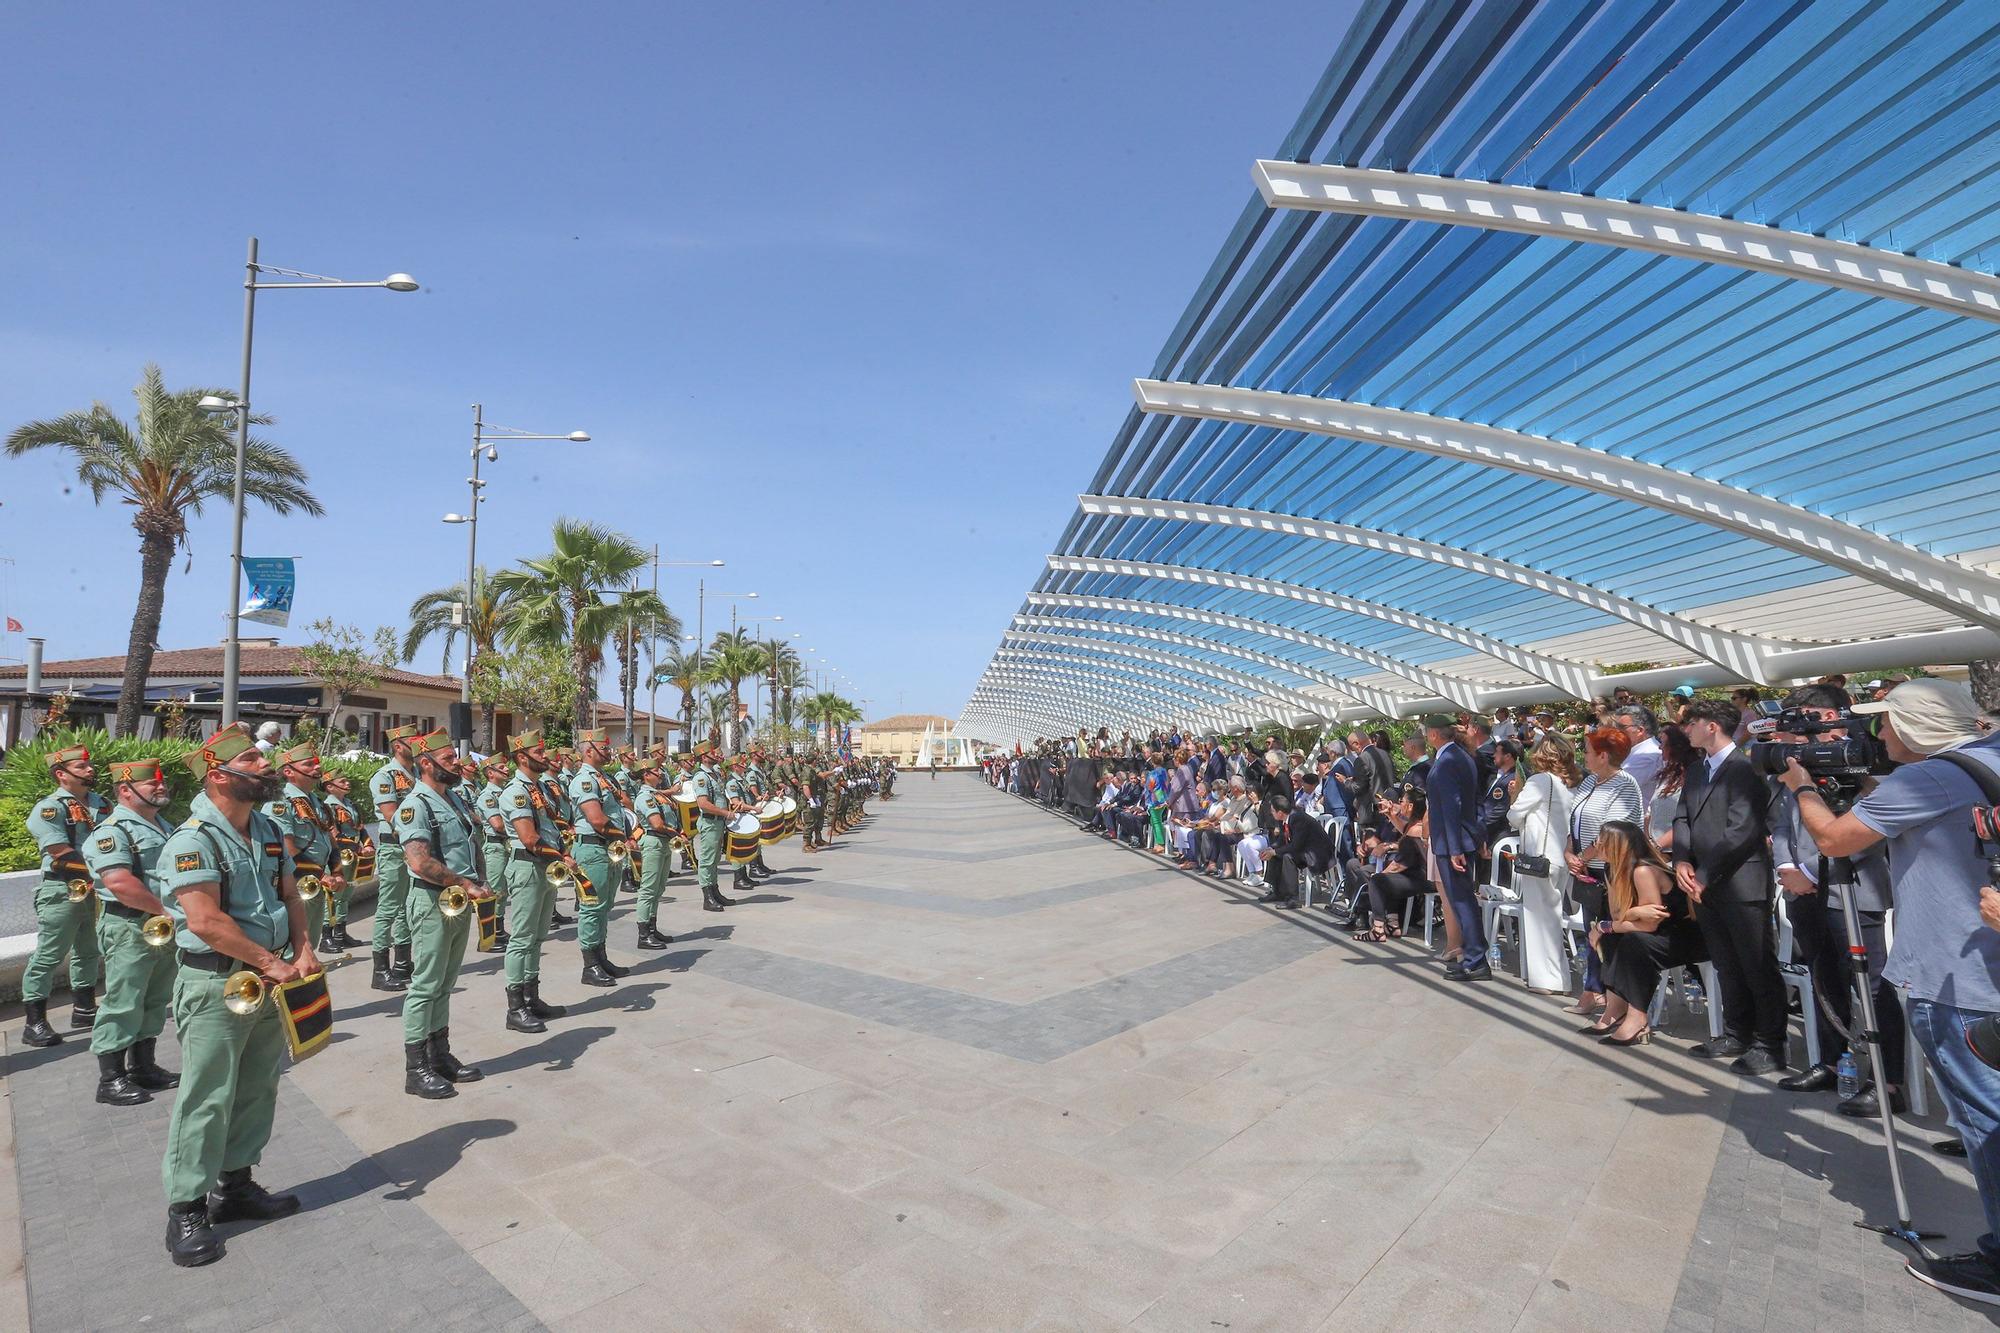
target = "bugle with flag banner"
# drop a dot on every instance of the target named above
(306, 1008)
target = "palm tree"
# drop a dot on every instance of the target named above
(828, 710)
(685, 671)
(778, 655)
(557, 598)
(637, 623)
(791, 678)
(733, 658)
(430, 614)
(165, 467)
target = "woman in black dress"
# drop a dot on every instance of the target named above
(1650, 928)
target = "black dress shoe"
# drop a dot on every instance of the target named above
(1718, 1048)
(191, 1241)
(1949, 1147)
(236, 1198)
(1864, 1106)
(1818, 1078)
(1480, 973)
(1756, 1062)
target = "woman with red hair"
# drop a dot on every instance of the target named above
(1607, 793)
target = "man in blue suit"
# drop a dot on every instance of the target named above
(1452, 786)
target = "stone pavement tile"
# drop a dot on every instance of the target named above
(1028, 1120)
(1187, 1215)
(930, 1284)
(722, 1172)
(1556, 1308)
(962, 1209)
(1242, 1290)
(1115, 1274)
(1421, 1297)
(832, 1231)
(1271, 1157)
(687, 1249)
(1057, 1181)
(941, 1138)
(772, 1076)
(1231, 1107)
(786, 1295)
(1122, 1100)
(553, 1270)
(1154, 1147)
(844, 1105)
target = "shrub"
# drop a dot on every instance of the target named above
(24, 779)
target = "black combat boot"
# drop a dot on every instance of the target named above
(446, 1063)
(419, 1079)
(38, 1032)
(742, 883)
(191, 1242)
(82, 1007)
(144, 1071)
(557, 920)
(347, 941)
(329, 940)
(401, 965)
(540, 1007)
(615, 969)
(711, 901)
(113, 1088)
(650, 936)
(385, 975)
(237, 1198)
(520, 1018)
(594, 971)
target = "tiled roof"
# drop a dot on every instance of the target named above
(256, 661)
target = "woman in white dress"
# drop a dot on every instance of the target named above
(1541, 814)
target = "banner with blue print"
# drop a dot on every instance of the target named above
(272, 580)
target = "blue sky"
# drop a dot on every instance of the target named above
(849, 297)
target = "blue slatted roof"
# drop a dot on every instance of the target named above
(1862, 122)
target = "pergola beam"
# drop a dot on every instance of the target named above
(1252, 687)
(1701, 237)
(1742, 654)
(1950, 585)
(1046, 670)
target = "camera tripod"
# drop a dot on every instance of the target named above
(1836, 874)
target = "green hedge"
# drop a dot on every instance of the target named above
(25, 779)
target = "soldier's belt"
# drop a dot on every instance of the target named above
(219, 963)
(113, 907)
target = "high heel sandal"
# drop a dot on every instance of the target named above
(1643, 1037)
(1597, 1030)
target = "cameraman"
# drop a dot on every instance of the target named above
(1819, 925)
(1944, 956)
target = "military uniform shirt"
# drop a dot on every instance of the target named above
(701, 785)
(524, 798)
(737, 788)
(391, 783)
(127, 840)
(60, 817)
(651, 802)
(443, 823)
(248, 873)
(488, 806)
(759, 784)
(590, 785)
(307, 827)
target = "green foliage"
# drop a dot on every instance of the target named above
(25, 779)
(346, 660)
(534, 681)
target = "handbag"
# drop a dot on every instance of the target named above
(1534, 867)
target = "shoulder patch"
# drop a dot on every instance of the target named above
(106, 843)
(519, 800)
(187, 861)
(407, 815)
(47, 812)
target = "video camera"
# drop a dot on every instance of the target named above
(1854, 756)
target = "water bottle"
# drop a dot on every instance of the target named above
(1693, 997)
(1848, 1074)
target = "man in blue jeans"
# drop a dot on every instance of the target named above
(1944, 955)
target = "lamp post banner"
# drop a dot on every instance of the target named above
(272, 580)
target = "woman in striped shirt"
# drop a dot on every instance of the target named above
(1607, 793)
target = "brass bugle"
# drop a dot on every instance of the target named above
(79, 889)
(157, 931)
(558, 874)
(309, 886)
(453, 901)
(243, 994)
(616, 850)
(347, 858)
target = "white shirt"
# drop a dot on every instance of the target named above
(1644, 764)
(1715, 760)
(1504, 730)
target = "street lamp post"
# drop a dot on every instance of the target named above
(232, 648)
(653, 692)
(702, 594)
(486, 440)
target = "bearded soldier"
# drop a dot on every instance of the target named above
(124, 856)
(440, 837)
(65, 923)
(390, 939)
(533, 845)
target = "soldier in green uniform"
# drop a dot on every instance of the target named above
(597, 825)
(533, 845)
(390, 939)
(658, 820)
(440, 838)
(65, 921)
(711, 824)
(123, 854)
(555, 790)
(758, 779)
(494, 836)
(350, 837)
(227, 883)
(737, 796)
(307, 823)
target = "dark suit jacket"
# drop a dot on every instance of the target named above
(1452, 790)
(1722, 828)
(1302, 837)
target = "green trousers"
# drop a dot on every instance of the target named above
(138, 983)
(336, 906)
(229, 1086)
(495, 860)
(392, 892)
(316, 916)
(708, 838)
(61, 927)
(530, 901)
(437, 947)
(815, 819)
(604, 880)
(653, 876)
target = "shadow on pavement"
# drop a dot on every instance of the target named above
(553, 1054)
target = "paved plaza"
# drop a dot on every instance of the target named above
(973, 1070)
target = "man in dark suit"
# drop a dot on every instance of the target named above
(1297, 840)
(1722, 861)
(1452, 790)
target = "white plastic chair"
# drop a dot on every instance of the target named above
(1499, 899)
(1799, 977)
(1670, 984)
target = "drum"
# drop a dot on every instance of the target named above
(685, 805)
(744, 835)
(789, 807)
(771, 821)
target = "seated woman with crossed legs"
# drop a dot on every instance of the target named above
(1651, 929)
